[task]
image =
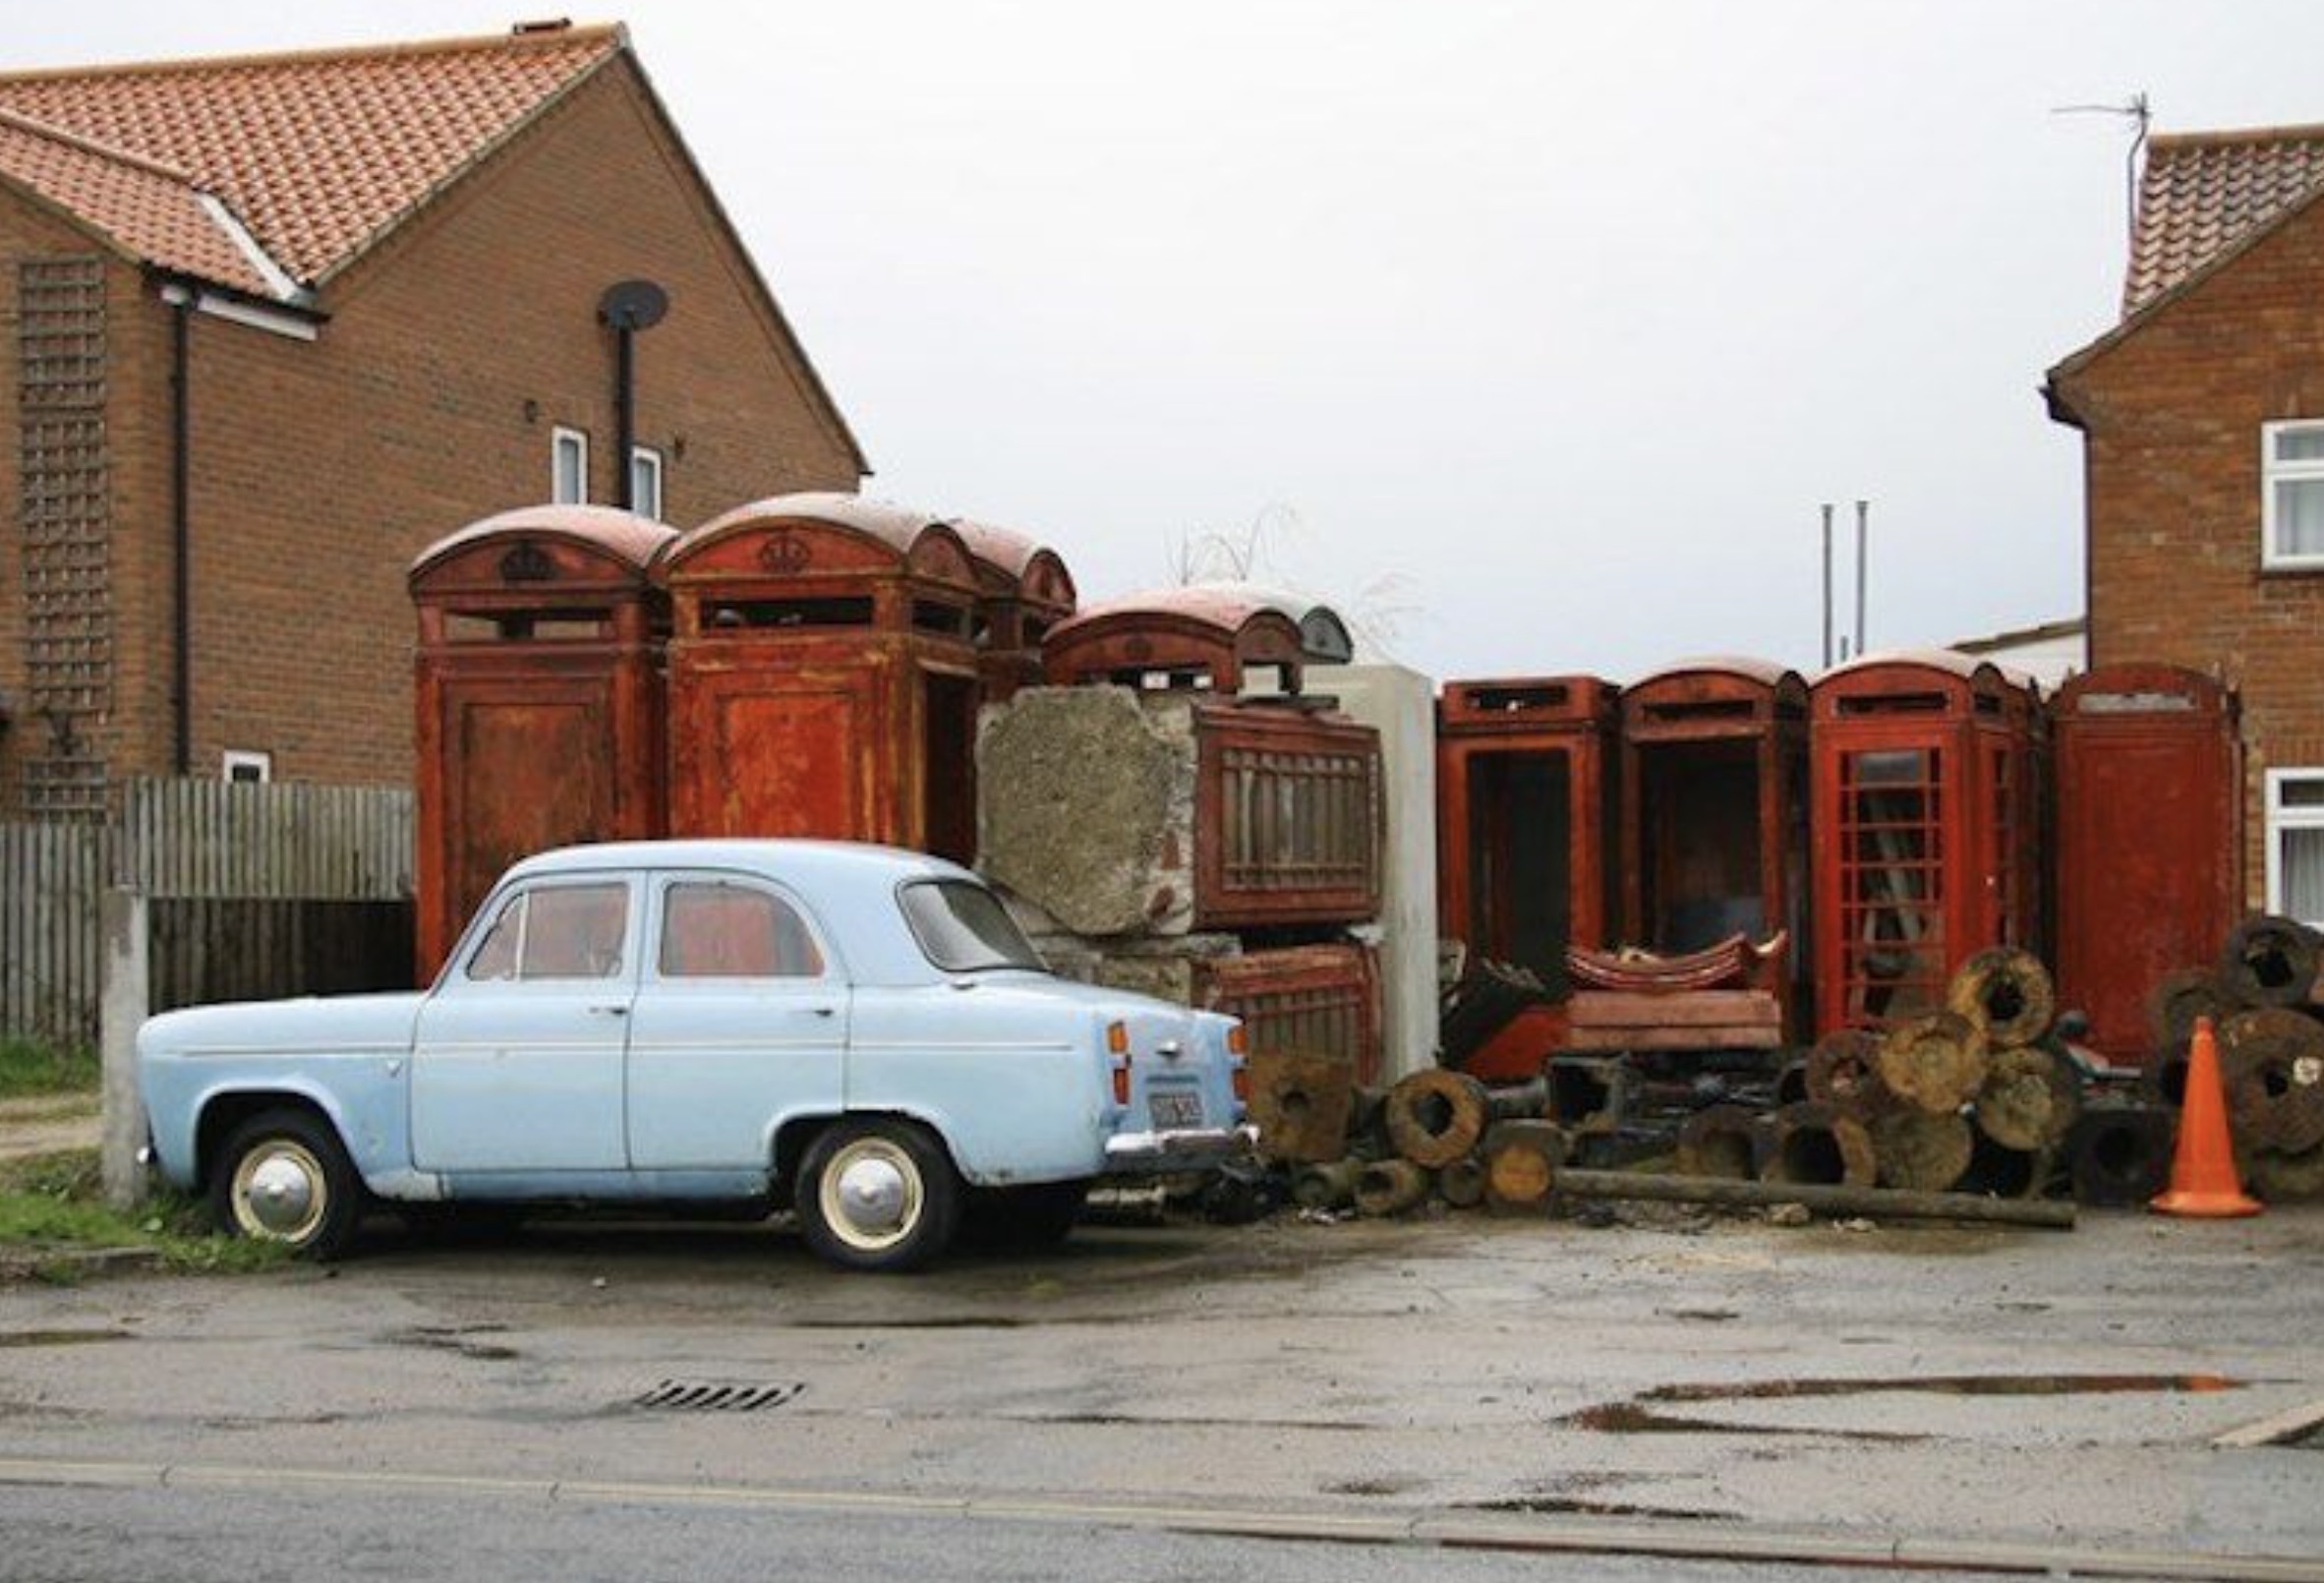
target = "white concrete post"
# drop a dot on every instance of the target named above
(1401, 705)
(124, 1004)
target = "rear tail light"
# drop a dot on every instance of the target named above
(1238, 1040)
(1237, 1062)
(1242, 1081)
(1118, 1046)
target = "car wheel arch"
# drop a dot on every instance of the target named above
(223, 1112)
(796, 1135)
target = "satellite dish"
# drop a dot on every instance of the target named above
(633, 305)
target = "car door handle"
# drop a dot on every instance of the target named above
(823, 1011)
(609, 1011)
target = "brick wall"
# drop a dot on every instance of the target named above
(321, 468)
(2173, 416)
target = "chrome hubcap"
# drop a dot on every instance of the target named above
(871, 1194)
(279, 1192)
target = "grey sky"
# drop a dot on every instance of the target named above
(1564, 318)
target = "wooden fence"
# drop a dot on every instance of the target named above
(257, 889)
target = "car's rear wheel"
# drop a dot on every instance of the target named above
(878, 1193)
(284, 1177)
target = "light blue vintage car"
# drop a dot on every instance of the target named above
(854, 1032)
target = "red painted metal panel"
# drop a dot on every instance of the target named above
(2148, 776)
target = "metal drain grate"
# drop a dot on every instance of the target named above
(715, 1396)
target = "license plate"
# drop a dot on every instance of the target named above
(1172, 1111)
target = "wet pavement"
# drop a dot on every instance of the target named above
(1912, 1386)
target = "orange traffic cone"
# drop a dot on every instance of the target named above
(2203, 1180)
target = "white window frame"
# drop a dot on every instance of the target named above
(645, 462)
(560, 439)
(2280, 818)
(2271, 473)
(245, 758)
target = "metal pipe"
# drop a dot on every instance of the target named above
(624, 418)
(181, 301)
(1863, 511)
(1827, 585)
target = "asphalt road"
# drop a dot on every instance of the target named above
(1588, 1402)
(109, 1536)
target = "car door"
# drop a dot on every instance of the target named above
(518, 1061)
(740, 1024)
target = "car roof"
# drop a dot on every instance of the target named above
(808, 863)
(849, 886)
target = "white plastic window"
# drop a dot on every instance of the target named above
(2292, 493)
(645, 482)
(568, 466)
(2296, 845)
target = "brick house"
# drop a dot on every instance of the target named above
(2202, 416)
(303, 315)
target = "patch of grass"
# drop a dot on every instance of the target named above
(55, 1205)
(29, 1066)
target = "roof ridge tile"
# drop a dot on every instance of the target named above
(33, 126)
(615, 33)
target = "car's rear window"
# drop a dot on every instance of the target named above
(963, 927)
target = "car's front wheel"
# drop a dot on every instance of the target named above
(284, 1177)
(878, 1193)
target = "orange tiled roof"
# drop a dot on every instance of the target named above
(151, 209)
(2203, 194)
(317, 154)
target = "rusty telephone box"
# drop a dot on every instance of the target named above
(1526, 803)
(823, 675)
(1714, 809)
(1925, 807)
(539, 708)
(1022, 590)
(1288, 812)
(2148, 777)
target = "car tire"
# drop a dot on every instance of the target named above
(878, 1193)
(284, 1177)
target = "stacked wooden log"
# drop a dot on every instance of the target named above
(1980, 1096)
(1439, 1136)
(2266, 1005)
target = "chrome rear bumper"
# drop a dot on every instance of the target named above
(1191, 1149)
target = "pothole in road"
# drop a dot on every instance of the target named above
(1630, 1417)
(58, 1338)
(1572, 1506)
(1945, 1386)
(458, 1339)
(717, 1396)
(1642, 1415)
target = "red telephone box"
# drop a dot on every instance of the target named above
(1022, 590)
(1525, 816)
(2148, 809)
(823, 679)
(538, 712)
(1715, 808)
(1924, 810)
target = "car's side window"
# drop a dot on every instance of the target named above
(556, 931)
(712, 930)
